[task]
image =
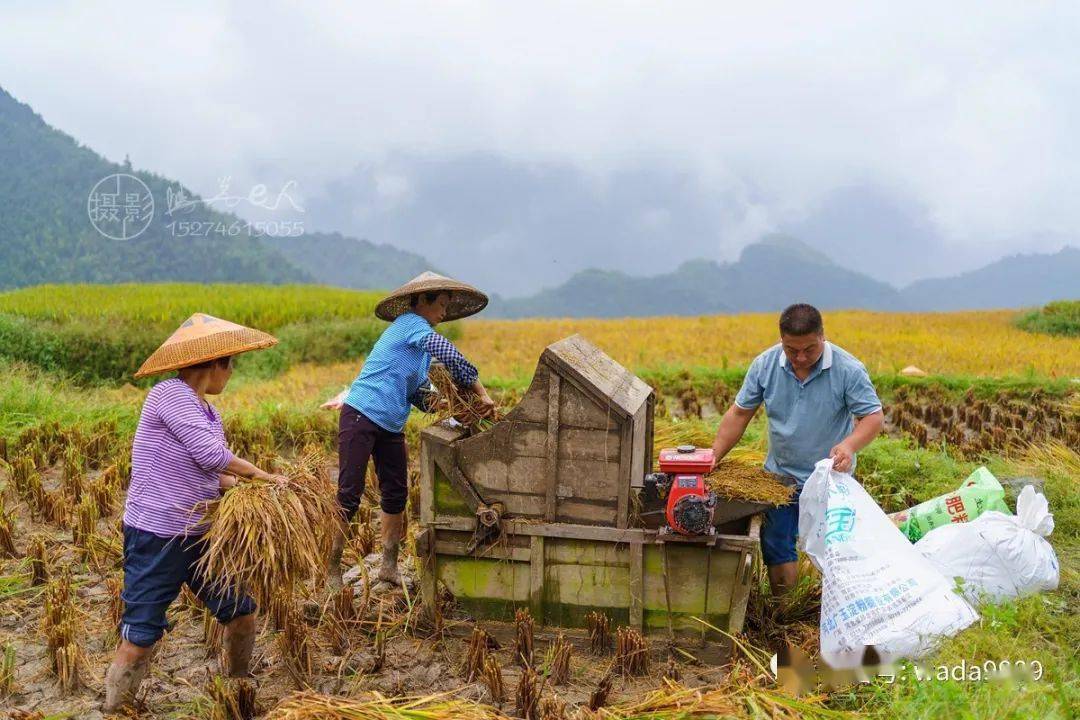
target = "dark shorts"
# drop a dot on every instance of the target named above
(359, 439)
(779, 531)
(155, 568)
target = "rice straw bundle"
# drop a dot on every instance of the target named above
(373, 706)
(264, 537)
(523, 637)
(675, 701)
(599, 626)
(682, 432)
(476, 654)
(213, 636)
(631, 652)
(60, 625)
(7, 670)
(459, 403)
(742, 481)
(39, 561)
(7, 532)
(231, 699)
(552, 708)
(599, 697)
(493, 679)
(558, 660)
(529, 690)
(295, 644)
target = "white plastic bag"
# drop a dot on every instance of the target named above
(877, 589)
(998, 556)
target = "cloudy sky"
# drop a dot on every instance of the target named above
(515, 143)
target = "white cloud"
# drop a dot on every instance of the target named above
(970, 107)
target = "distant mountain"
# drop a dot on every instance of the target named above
(334, 259)
(1015, 281)
(779, 270)
(768, 276)
(46, 235)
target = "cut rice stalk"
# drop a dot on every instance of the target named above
(558, 660)
(373, 706)
(523, 637)
(459, 403)
(736, 480)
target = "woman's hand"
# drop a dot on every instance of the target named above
(281, 480)
(486, 404)
(226, 481)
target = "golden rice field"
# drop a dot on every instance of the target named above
(984, 343)
(263, 306)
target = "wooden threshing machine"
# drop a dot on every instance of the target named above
(545, 510)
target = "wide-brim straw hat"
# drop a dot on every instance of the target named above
(202, 338)
(465, 300)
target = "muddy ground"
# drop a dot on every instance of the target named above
(415, 663)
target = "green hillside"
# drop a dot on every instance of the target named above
(46, 235)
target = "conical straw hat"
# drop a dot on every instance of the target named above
(465, 300)
(201, 338)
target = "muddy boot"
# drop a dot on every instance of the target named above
(391, 527)
(239, 641)
(122, 683)
(333, 562)
(388, 573)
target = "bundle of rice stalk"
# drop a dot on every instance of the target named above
(264, 537)
(373, 706)
(523, 637)
(59, 623)
(114, 586)
(599, 627)
(231, 699)
(476, 654)
(39, 561)
(213, 636)
(599, 697)
(103, 493)
(73, 477)
(493, 679)
(529, 690)
(295, 645)
(671, 700)
(631, 652)
(363, 539)
(7, 670)
(459, 403)
(84, 525)
(7, 532)
(743, 481)
(558, 660)
(552, 708)
(682, 432)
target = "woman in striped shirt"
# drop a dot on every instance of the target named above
(179, 462)
(392, 381)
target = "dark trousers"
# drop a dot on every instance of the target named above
(155, 568)
(358, 440)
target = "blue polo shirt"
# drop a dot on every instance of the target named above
(393, 371)
(807, 418)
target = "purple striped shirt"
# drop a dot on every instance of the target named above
(178, 454)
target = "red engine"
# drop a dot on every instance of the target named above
(690, 505)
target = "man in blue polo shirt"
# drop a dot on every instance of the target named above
(820, 403)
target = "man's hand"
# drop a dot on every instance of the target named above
(842, 456)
